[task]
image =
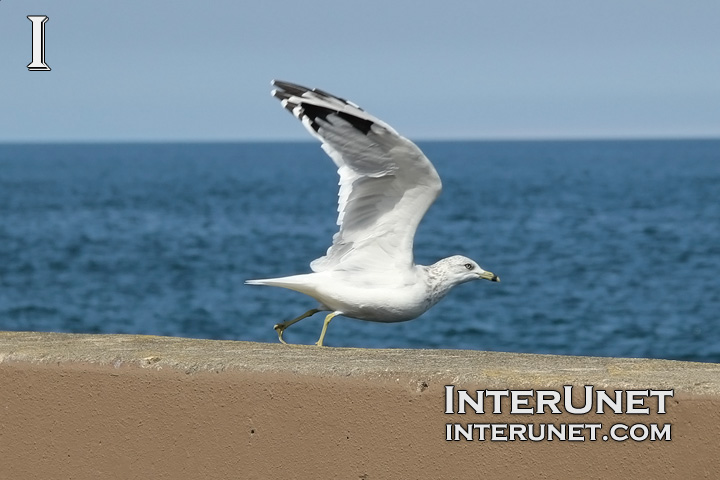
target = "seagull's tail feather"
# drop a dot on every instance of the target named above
(299, 283)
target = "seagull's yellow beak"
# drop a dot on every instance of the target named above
(489, 276)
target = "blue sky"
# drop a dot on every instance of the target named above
(185, 71)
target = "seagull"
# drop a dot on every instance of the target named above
(386, 186)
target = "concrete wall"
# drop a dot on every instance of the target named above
(117, 406)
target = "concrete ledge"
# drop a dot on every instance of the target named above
(118, 406)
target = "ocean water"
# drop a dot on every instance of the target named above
(604, 248)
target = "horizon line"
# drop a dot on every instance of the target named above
(609, 138)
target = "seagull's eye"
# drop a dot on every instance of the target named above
(469, 266)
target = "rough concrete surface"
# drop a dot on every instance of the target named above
(119, 406)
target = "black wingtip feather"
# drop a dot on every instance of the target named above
(360, 123)
(313, 112)
(290, 88)
(285, 90)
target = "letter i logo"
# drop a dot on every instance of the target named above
(38, 43)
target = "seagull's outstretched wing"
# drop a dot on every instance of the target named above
(386, 183)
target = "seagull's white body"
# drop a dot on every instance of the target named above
(386, 186)
(362, 297)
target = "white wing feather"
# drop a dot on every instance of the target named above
(386, 183)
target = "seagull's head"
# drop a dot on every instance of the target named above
(458, 269)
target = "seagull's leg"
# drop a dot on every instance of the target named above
(280, 327)
(325, 325)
